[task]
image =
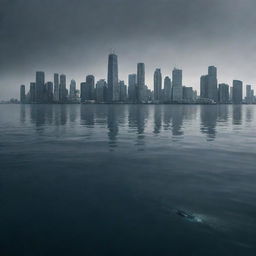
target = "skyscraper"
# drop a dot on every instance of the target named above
(157, 85)
(82, 92)
(132, 87)
(22, 94)
(72, 90)
(63, 89)
(101, 86)
(237, 92)
(249, 94)
(140, 82)
(56, 88)
(123, 91)
(208, 84)
(223, 93)
(89, 87)
(188, 94)
(167, 89)
(177, 85)
(113, 89)
(49, 92)
(32, 93)
(40, 87)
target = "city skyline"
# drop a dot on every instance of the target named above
(207, 33)
(114, 90)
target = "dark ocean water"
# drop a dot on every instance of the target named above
(108, 180)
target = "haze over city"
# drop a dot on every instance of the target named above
(75, 38)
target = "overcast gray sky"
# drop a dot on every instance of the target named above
(74, 37)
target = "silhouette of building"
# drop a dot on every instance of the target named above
(32, 93)
(72, 91)
(40, 88)
(56, 88)
(22, 94)
(237, 92)
(157, 85)
(113, 89)
(82, 92)
(223, 93)
(63, 90)
(177, 85)
(141, 82)
(249, 94)
(101, 87)
(208, 85)
(49, 92)
(132, 87)
(167, 89)
(188, 94)
(89, 87)
(123, 91)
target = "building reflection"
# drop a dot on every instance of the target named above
(87, 115)
(249, 113)
(157, 119)
(223, 113)
(177, 120)
(112, 122)
(209, 114)
(22, 113)
(237, 114)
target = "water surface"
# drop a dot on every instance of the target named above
(108, 179)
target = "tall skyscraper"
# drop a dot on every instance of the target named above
(157, 85)
(212, 83)
(49, 92)
(237, 92)
(223, 93)
(83, 92)
(167, 89)
(56, 87)
(40, 87)
(89, 87)
(63, 89)
(177, 85)
(72, 90)
(22, 94)
(249, 94)
(32, 93)
(132, 87)
(101, 86)
(113, 88)
(140, 82)
(123, 91)
(208, 84)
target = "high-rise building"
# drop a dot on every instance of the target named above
(56, 88)
(237, 92)
(140, 82)
(63, 90)
(223, 93)
(101, 87)
(22, 94)
(72, 90)
(249, 94)
(203, 87)
(157, 85)
(167, 89)
(82, 92)
(188, 94)
(89, 89)
(49, 92)
(32, 93)
(132, 87)
(40, 88)
(208, 85)
(123, 91)
(177, 85)
(113, 88)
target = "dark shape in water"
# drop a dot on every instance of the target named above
(188, 216)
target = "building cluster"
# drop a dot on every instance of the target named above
(167, 90)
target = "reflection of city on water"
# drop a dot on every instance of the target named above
(141, 120)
